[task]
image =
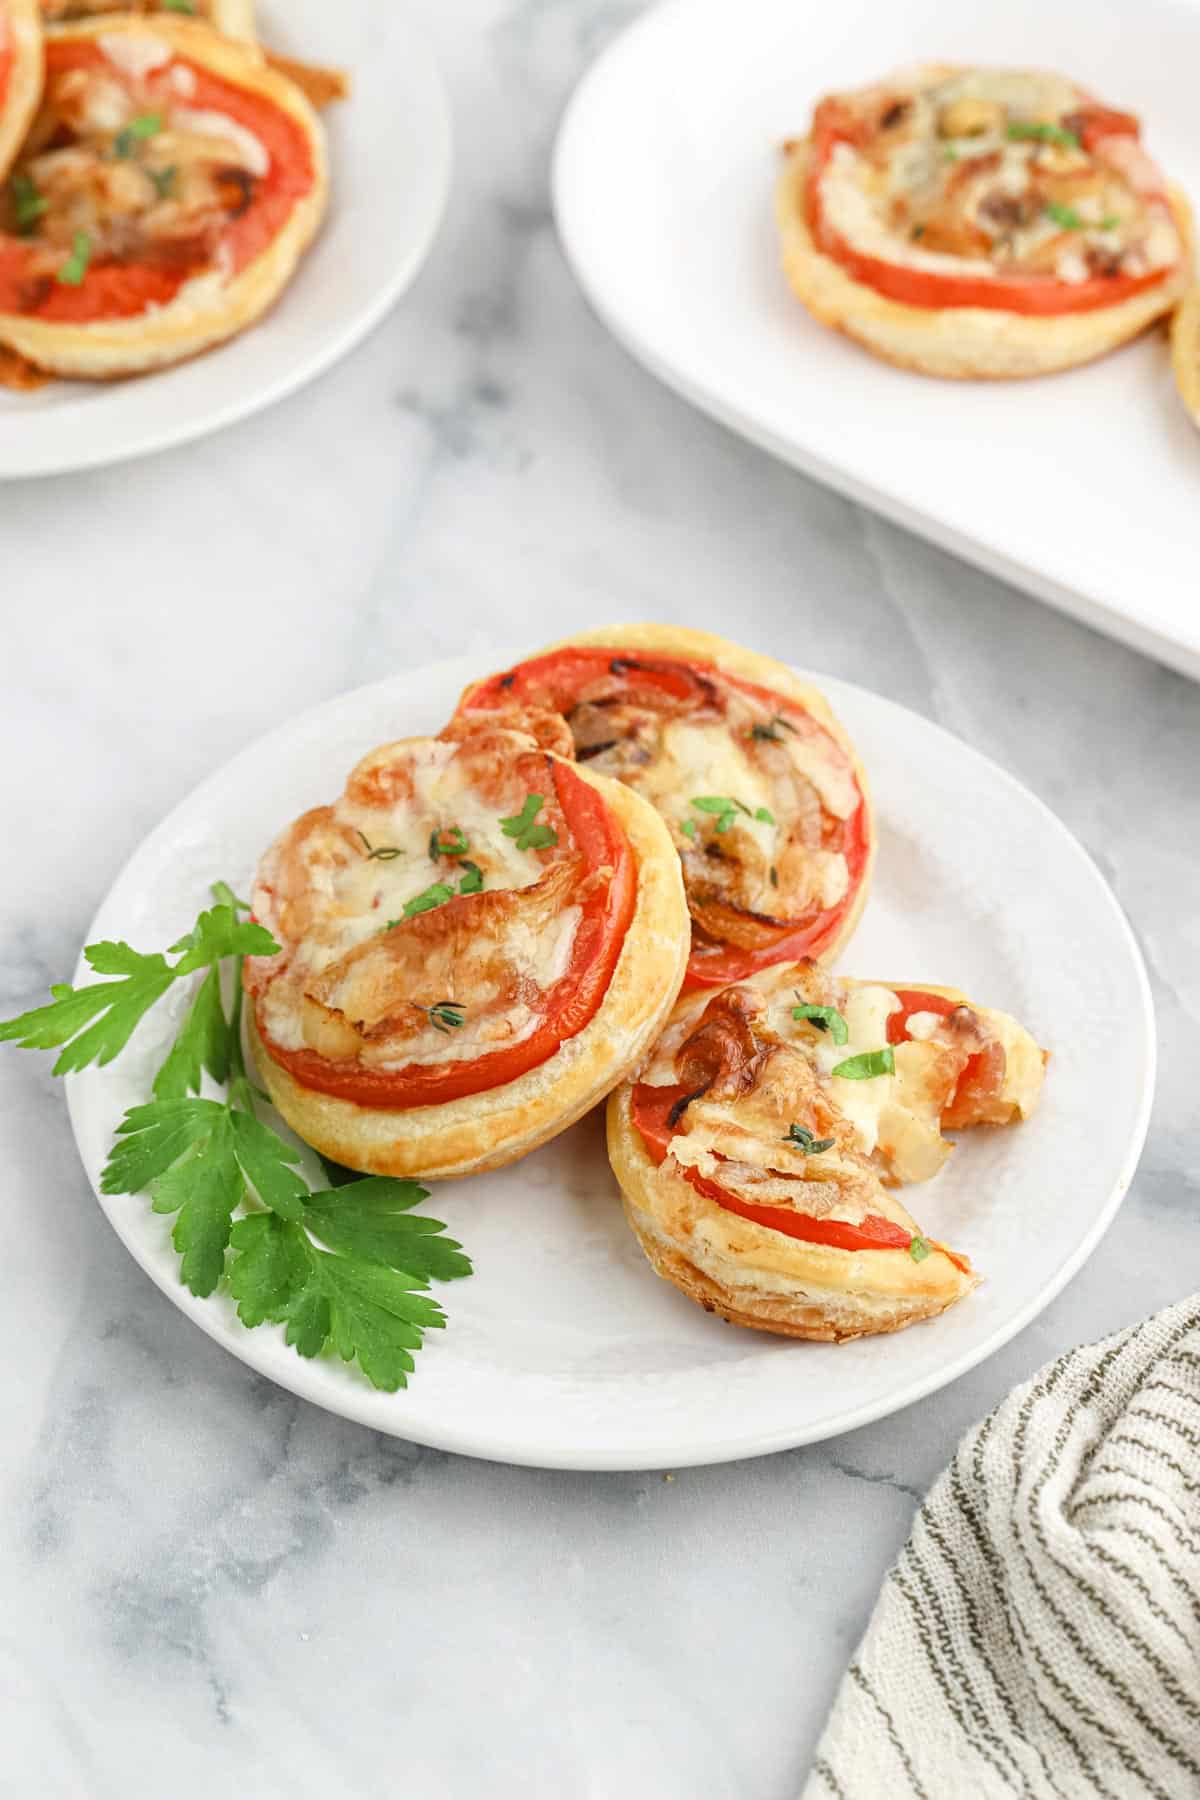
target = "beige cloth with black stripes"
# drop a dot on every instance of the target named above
(1040, 1634)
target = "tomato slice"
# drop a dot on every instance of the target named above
(651, 1109)
(1030, 293)
(118, 290)
(557, 679)
(6, 57)
(913, 1000)
(571, 1002)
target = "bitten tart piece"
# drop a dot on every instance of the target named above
(756, 781)
(20, 73)
(478, 941)
(980, 222)
(168, 187)
(758, 1152)
(232, 18)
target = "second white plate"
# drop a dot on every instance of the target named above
(389, 155)
(564, 1350)
(1082, 488)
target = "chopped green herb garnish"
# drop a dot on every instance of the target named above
(866, 1065)
(949, 153)
(384, 852)
(28, 204)
(774, 876)
(74, 269)
(472, 881)
(146, 125)
(1042, 133)
(437, 895)
(521, 826)
(447, 843)
(180, 6)
(1066, 216)
(164, 180)
(920, 1248)
(688, 828)
(764, 815)
(340, 1267)
(446, 1015)
(772, 733)
(825, 1018)
(725, 810)
(805, 1141)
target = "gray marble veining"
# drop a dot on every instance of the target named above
(208, 1582)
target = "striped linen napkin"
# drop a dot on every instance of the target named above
(1040, 1633)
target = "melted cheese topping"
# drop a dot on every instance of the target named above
(950, 187)
(342, 877)
(888, 1125)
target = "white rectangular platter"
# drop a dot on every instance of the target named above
(1083, 488)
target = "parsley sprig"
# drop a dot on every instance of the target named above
(344, 1267)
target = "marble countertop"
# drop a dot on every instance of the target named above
(207, 1581)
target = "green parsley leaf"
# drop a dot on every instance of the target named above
(447, 843)
(825, 1018)
(521, 826)
(805, 1141)
(866, 1065)
(920, 1248)
(385, 852)
(28, 204)
(368, 1311)
(437, 895)
(1066, 216)
(164, 180)
(1042, 132)
(372, 1218)
(202, 1043)
(146, 125)
(180, 6)
(949, 153)
(764, 815)
(203, 1159)
(72, 272)
(688, 828)
(116, 1007)
(472, 881)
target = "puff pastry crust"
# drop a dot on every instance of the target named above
(759, 1181)
(485, 1129)
(764, 881)
(20, 73)
(275, 192)
(970, 341)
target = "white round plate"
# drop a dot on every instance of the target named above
(389, 160)
(564, 1350)
(663, 183)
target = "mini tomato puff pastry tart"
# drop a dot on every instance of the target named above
(20, 73)
(980, 222)
(759, 785)
(232, 18)
(161, 202)
(758, 1151)
(478, 942)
